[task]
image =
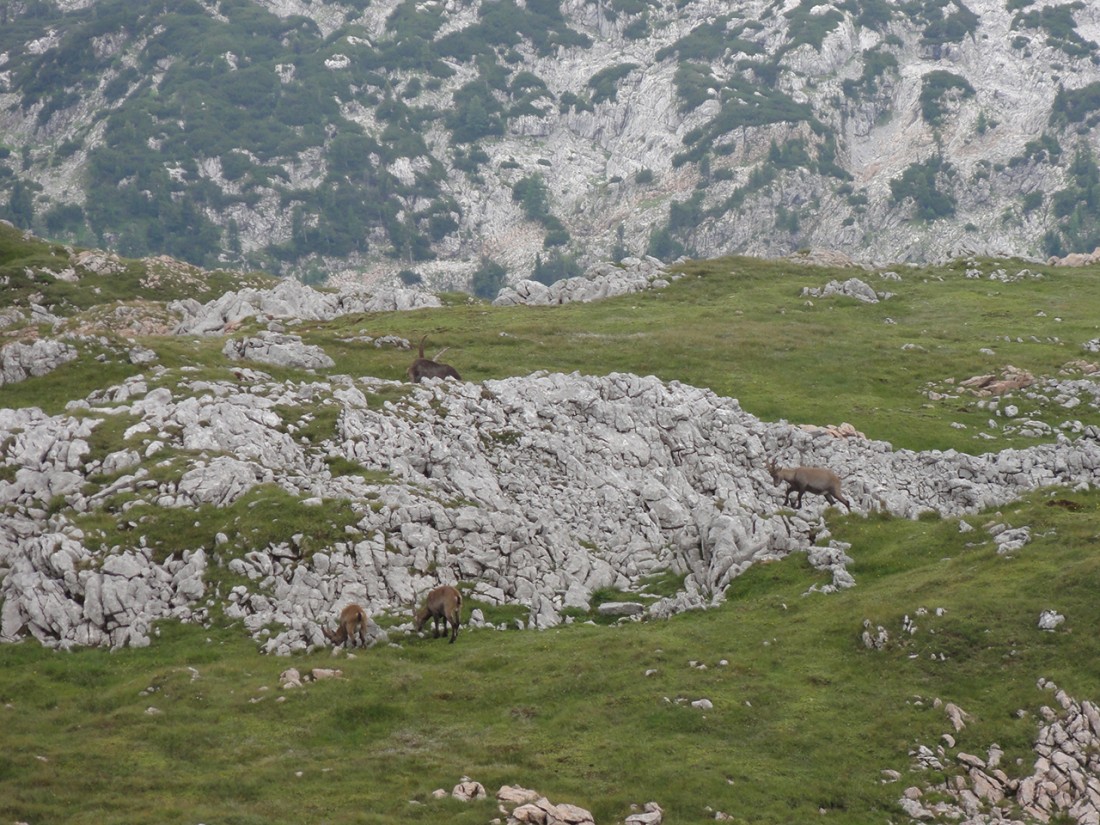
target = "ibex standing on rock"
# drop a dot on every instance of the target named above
(802, 480)
(427, 368)
(444, 604)
(353, 623)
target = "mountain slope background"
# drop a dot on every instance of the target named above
(457, 144)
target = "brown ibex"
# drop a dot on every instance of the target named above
(444, 604)
(802, 480)
(427, 368)
(353, 623)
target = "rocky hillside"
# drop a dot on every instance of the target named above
(256, 482)
(464, 145)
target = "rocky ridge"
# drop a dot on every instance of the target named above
(603, 280)
(291, 299)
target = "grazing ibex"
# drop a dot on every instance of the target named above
(809, 479)
(444, 604)
(353, 623)
(427, 368)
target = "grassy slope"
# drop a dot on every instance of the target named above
(804, 717)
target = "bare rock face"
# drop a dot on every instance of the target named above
(290, 299)
(851, 288)
(278, 350)
(19, 361)
(600, 281)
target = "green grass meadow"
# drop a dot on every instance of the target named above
(805, 718)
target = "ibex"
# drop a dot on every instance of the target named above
(353, 623)
(427, 368)
(818, 480)
(444, 604)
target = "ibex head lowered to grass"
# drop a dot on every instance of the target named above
(819, 480)
(353, 624)
(443, 604)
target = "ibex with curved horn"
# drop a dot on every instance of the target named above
(427, 368)
(802, 480)
(353, 624)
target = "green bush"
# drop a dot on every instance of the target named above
(1045, 148)
(532, 194)
(411, 20)
(63, 218)
(943, 26)
(936, 87)
(605, 83)
(557, 266)
(787, 220)
(20, 206)
(529, 84)
(748, 104)
(568, 101)
(1060, 27)
(707, 42)
(920, 183)
(440, 217)
(1077, 207)
(119, 85)
(235, 165)
(663, 246)
(808, 26)
(874, 14)
(695, 84)
(686, 214)
(878, 65)
(469, 159)
(476, 113)
(827, 159)
(558, 236)
(1075, 105)
(506, 24)
(488, 279)
(637, 29)
(791, 155)
(761, 176)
